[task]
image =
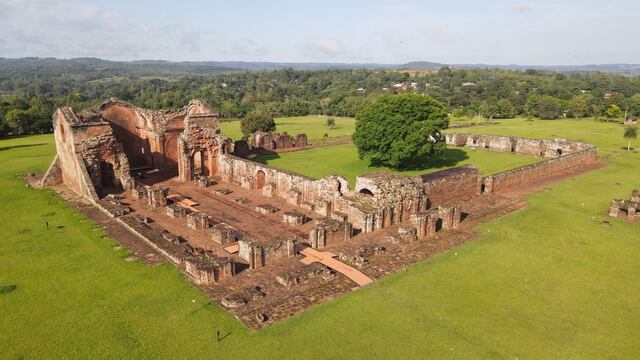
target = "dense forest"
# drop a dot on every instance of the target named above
(30, 90)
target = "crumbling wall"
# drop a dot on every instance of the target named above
(529, 173)
(88, 155)
(270, 141)
(524, 146)
(294, 188)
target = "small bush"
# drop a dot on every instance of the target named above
(5, 289)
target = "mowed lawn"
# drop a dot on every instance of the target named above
(547, 282)
(315, 126)
(343, 160)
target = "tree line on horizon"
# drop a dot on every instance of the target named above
(29, 95)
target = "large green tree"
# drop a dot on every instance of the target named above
(398, 131)
(548, 107)
(257, 120)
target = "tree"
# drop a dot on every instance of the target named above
(634, 105)
(257, 120)
(331, 122)
(630, 133)
(398, 131)
(614, 111)
(229, 109)
(548, 108)
(18, 121)
(578, 106)
(503, 109)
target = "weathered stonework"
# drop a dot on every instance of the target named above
(197, 221)
(223, 234)
(270, 141)
(560, 154)
(328, 231)
(626, 209)
(210, 270)
(261, 253)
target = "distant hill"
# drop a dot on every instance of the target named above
(181, 68)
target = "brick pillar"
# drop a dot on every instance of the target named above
(432, 221)
(446, 214)
(157, 197)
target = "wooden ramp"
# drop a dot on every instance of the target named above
(327, 258)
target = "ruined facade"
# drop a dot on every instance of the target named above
(99, 147)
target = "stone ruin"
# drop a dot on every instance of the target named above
(106, 151)
(270, 141)
(261, 253)
(626, 209)
(99, 147)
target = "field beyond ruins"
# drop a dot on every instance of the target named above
(549, 281)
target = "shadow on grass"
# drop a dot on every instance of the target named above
(20, 146)
(450, 158)
(266, 157)
(5, 289)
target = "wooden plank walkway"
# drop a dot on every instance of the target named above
(327, 258)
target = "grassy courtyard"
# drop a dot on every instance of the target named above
(315, 126)
(343, 160)
(547, 282)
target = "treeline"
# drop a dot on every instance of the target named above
(30, 93)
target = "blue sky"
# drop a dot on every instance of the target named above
(495, 32)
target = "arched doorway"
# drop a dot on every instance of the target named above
(366, 192)
(260, 179)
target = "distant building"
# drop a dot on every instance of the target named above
(467, 84)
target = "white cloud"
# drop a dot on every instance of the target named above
(520, 8)
(324, 48)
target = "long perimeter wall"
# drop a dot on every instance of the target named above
(559, 155)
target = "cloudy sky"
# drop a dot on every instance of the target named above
(496, 32)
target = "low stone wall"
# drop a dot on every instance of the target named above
(296, 189)
(529, 173)
(561, 154)
(519, 145)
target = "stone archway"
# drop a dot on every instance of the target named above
(366, 192)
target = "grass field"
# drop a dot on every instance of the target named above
(315, 126)
(546, 282)
(343, 160)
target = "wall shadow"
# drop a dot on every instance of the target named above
(20, 146)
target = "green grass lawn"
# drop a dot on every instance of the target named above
(343, 160)
(315, 126)
(546, 282)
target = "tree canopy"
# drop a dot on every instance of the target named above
(399, 131)
(257, 120)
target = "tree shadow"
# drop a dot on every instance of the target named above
(266, 156)
(20, 146)
(450, 157)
